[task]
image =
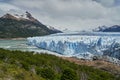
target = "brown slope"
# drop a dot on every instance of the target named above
(100, 64)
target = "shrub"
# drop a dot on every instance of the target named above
(69, 74)
(48, 73)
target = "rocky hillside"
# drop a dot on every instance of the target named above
(96, 63)
(14, 26)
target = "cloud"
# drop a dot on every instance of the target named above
(107, 3)
(71, 14)
(7, 7)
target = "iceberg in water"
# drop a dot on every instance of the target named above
(81, 46)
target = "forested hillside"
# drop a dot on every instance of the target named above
(17, 65)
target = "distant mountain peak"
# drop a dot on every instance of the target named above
(114, 28)
(30, 17)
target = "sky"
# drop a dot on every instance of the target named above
(73, 15)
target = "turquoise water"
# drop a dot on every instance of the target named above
(17, 45)
(22, 46)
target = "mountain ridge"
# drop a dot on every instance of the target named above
(15, 26)
(114, 28)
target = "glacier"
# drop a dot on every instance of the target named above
(80, 45)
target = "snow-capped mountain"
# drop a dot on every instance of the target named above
(24, 16)
(81, 46)
(114, 28)
(22, 25)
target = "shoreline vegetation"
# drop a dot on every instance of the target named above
(18, 65)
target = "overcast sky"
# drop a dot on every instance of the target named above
(74, 15)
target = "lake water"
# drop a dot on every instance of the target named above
(16, 45)
(22, 46)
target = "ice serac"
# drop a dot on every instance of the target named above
(80, 46)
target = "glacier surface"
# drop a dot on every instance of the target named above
(82, 45)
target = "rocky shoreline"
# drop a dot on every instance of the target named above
(13, 38)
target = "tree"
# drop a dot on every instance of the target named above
(69, 74)
(48, 73)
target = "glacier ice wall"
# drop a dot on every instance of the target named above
(81, 46)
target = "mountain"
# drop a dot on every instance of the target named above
(114, 28)
(25, 25)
